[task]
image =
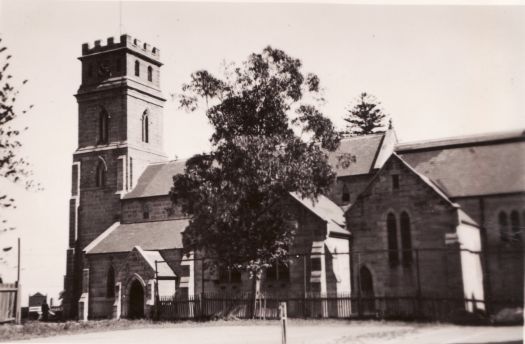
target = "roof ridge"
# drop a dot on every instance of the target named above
(348, 138)
(460, 140)
(166, 162)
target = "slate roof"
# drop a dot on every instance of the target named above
(157, 235)
(157, 179)
(471, 166)
(478, 139)
(364, 148)
(327, 210)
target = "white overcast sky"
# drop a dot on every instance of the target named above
(438, 71)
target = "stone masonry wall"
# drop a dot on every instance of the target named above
(159, 208)
(431, 218)
(90, 106)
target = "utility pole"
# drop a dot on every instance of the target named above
(18, 289)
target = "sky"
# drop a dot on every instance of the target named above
(439, 71)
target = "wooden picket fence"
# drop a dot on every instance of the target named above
(8, 302)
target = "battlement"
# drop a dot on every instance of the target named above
(125, 41)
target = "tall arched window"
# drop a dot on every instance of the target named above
(101, 174)
(515, 224)
(346, 194)
(503, 226)
(391, 226)
(103, 126)
(145, 127)
(110, 283)
(150, 73)
(406, 239)
(137, 68)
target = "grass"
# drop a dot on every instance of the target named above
(32, 329)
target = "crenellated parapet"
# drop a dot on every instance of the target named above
(126, 41)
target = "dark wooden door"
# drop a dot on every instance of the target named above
(136, 301)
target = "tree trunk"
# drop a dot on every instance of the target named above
(256, 291)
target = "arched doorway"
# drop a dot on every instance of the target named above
(366, 286)
(136, 301)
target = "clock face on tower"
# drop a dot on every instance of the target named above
(103, 70)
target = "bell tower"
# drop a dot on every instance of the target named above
(120, 128)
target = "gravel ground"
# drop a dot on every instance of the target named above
(300, 332)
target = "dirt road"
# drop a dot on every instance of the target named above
(299, 333)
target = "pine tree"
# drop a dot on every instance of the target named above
(366, 117)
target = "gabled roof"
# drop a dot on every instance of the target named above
(368, 153)
(156, 235)
(37, 294)
(151, 257)
(326, 210)
(157, 179)
(422, 177)
(363, 148)
(471, 166)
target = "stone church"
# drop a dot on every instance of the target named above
(434, 203)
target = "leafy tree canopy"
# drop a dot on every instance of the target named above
(267, 141)
(13, 168)
(366, 117)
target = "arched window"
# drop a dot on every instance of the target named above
(103, 126)
(366, 282)
(145, 127)
(137, 68)
(406, 239)
(503, 226)
(101, 174)
(515, 224)
(118, 65)
(366, 286)
(110, 283)
(391, 226)
(150, 73)
(346, 194)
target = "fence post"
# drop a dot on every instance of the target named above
(157, 298)
(304, 287)
(18, 315)
(282, 316)
(201, 305)
(418, 279)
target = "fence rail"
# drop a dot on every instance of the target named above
(244, 305)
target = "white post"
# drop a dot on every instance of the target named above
(282, 316)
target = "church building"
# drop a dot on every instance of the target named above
(426, 209)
